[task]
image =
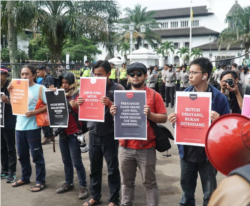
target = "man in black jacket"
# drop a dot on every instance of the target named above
(8, 149)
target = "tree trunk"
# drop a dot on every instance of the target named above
(247, 50)
(12, 40)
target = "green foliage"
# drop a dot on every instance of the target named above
(183, 51)
(167, 47)
(239, 32)
(196, 52)
(139, 16)
(124, 48)
(5, 55)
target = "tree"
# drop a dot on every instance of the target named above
(167, 47)
(59, 20)
(239, 32)
(159, 50)
(196, 52)
(183, 51)
(139, 16)
(124, 48)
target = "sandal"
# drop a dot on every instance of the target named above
(97, 202)
(40, 186)
(20, 184)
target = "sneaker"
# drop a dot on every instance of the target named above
(11, 178)
(83, 193)
(65, 188)
(4, 175)
(45, 141)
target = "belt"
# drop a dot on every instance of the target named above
(170, 82)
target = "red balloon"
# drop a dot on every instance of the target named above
(228, 142)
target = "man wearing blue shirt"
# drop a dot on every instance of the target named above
(193, 158)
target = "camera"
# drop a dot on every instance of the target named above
(61, 132)
(230, 82)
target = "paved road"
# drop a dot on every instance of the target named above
(168, 176)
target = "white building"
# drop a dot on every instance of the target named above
(208, 21)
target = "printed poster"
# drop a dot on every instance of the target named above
(91, 90)
(57, 107)
(193, 117)
(246, 106)
(2, 105)
(19, 96)
(130, 120)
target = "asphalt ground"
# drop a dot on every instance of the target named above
(167, 173)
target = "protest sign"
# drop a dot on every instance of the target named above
(57, 108)
(130, 120)
(246, 106)
(19, 96)
(193, 117)
(91, 90)
(2, 105)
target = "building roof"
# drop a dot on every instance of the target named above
(214, 46)
(234, 8)
(184, 32)
(181, 12)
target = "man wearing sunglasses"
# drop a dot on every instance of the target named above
(137, 153)
(193, 158)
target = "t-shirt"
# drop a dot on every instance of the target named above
(47, 81)
(156, 103)
(72, 125)
(29, 123)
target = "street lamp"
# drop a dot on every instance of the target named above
(131, 30)
(143, 29)
(210, 54)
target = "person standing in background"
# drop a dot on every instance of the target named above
(85, 71)
(184, 78)
(163, 81)
(151, 78)
(123, 75)
(178, 79)
(155, 71)
(170, 86)
(113, 76)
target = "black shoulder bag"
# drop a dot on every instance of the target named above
(163, 135)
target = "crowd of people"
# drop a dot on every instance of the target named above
(130, 155)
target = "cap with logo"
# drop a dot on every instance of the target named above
(137, 66)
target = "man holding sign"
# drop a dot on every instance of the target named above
(141, 153)
(102, 142)
(193, 158)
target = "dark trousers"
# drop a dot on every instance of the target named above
(31, 140)
(169, 93)
(8, 150)
(106, 147)
(163, 91)
(178, 86)
(71, 156)
(189, 174)
(123, 82)
(47, 131)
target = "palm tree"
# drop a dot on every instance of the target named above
(239, 30)
(159, 50)
(167, 47)
(61, 19)
(124, 48)
(196, 52)
(139, 16)
(184, 53)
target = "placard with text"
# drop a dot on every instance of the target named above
(19, 96)
(246, 106)
(193, 117)
(2, 105)
(130, 120)
(57, 106)
(91, 90)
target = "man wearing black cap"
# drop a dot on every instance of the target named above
(137, 153)
(8, 149)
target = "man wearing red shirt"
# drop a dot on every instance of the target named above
(68, 141)
(137, 153)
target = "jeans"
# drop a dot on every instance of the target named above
(8, 150)
(169, 93)
(107, 147)
(145, 160)
(47, 131)
(31, 140)
(189, 174)
(71, 155)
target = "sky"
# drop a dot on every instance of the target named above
(168, 4)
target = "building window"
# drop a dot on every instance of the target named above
(174, 24)
(176, 45)
(187, 44)
(184, 24)
(145, 46)
(195, 23)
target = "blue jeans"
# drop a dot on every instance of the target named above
(189, 174)
(31, 140)
(71, 155)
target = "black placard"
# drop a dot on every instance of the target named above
(57, 108)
